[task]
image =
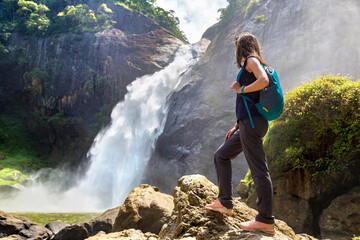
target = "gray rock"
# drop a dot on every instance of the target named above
(73, 232)
(104, 222)
(192, 221)
(80, 231)
(145, 209)
(128, 234)
(55, 227)
(16, 227)
(341, 220)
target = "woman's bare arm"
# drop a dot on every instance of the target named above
(253, 65)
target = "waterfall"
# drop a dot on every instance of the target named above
(120, 152)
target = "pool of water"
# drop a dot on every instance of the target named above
(70, 218)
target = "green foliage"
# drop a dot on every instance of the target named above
(89, 87)
(36, 18)
(9, 8)
(5, 34)
(9, 176)
(104, 9)
(56, 121)
(248, 178)
(32, 18)
(37, 79)
(319, 129)
(261, 18)
(250, 7)
(229, 12)
(236, 6)
(18, 147)
(13, 133)
(57, 16)
(355, 238)
(124, 5)
(94, 86)
(103, 118)
(36, 73)
(81, 18)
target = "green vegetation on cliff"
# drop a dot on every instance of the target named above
(236, 6)
(19, 154)
(44, 18)
(319, 130)
(103, 118)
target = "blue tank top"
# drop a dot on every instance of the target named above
(247, 78)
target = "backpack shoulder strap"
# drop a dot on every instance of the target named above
(247, 109)
(250, 57)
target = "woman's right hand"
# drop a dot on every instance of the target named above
(230, 133)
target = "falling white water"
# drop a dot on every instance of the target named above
(120, 152)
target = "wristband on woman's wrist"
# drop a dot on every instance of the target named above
(242, 89)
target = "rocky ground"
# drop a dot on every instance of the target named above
(149, 214)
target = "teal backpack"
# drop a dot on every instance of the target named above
(271, 102)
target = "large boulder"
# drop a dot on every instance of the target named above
(128, 234)
(73, 232)
(341, 220)
(190, 220)
(80, 231)
(105, 221)
(145, 208)
(56, 226)
(16, 227)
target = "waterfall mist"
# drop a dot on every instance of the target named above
(120, 152)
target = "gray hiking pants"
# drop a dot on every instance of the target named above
(249, 140)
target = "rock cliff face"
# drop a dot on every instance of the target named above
(342, 217)
(316, 206)
(300, 39)
(84, 72)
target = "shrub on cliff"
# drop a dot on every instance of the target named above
(319, 129)
(226, 14)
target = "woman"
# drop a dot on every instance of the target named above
(242, 137)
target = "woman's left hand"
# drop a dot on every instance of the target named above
(236, 87)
